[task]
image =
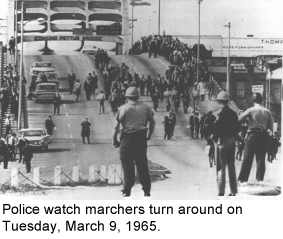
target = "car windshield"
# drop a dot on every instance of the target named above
(41, 64)
(32, 133)
(47, 87)
(51, 76)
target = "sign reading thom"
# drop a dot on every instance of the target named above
(108, 30)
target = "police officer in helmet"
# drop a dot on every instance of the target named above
(260, 120)
(134, 117)
(225, 130)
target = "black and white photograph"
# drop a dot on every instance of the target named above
(140, 99)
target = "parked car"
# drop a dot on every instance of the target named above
(51, 78)
(45, 92)
(38, 67)
(37, 137)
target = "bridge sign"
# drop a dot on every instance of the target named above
(108, 30)
(82, 32)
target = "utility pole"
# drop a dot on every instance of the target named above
(132, 26)
(228, 60)
(199, 2)
(159, 18)
(21, 69)
(16, 36)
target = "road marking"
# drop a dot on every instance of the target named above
(69, 126)
(180, 143)
(67, 115)
(65, 105)
(71, 136)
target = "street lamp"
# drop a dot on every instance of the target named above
(228, 59)
(199, 2)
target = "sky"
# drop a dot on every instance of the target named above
(261, 18)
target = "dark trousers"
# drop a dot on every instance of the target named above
(226, 157)
(88, 94)
(50, 131)
(8, 128)
(185, 106)
(27, 159)
(5, 160)
(155, 104)
(256, 145)
(133, 150)
(21, 155)
(192, 129)
(84, 139)
(101, 106)
(196, 130)
(56, 108)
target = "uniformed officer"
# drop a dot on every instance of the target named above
(134, 117)
(225, 130)
(260, 120)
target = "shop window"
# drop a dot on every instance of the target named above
(240, 89)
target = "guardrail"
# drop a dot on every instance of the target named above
(110, 175)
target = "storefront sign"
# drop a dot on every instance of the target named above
(257, 88)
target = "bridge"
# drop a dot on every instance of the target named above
(59, 18)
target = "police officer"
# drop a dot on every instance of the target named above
(260, 120)
(57, 102)
(28, 155)
(134, 117)
(225, 130)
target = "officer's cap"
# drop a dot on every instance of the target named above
(223, 96)
(132, 92)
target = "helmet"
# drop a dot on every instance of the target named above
(257, 97)
(132, 92)
(223, 96)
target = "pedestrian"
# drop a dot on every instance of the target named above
(211, 152)
(20, 144)
(177, 100)
(85, 133)
(167, 99)
(77, 89)
(87, 88)
(7, 124)
(142, 84)
(71, 81)
(28, 155)
(195, 95)
(49, 125)
(172, 115)
(95, 83)
(191, 124)
(185, 97)
(4, 153)
(114, 100)
(201, 87)
(224, 134)
(210, 87)
(101, 98)
(202, 119)
(154, 97)
(167, 127)
(134, 117)
(260, 120)
(57, 102)
(11, 147)
(196, 125)
(12, 45)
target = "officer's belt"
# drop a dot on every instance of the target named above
(257, 130)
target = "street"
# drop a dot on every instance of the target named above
(190, 178)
